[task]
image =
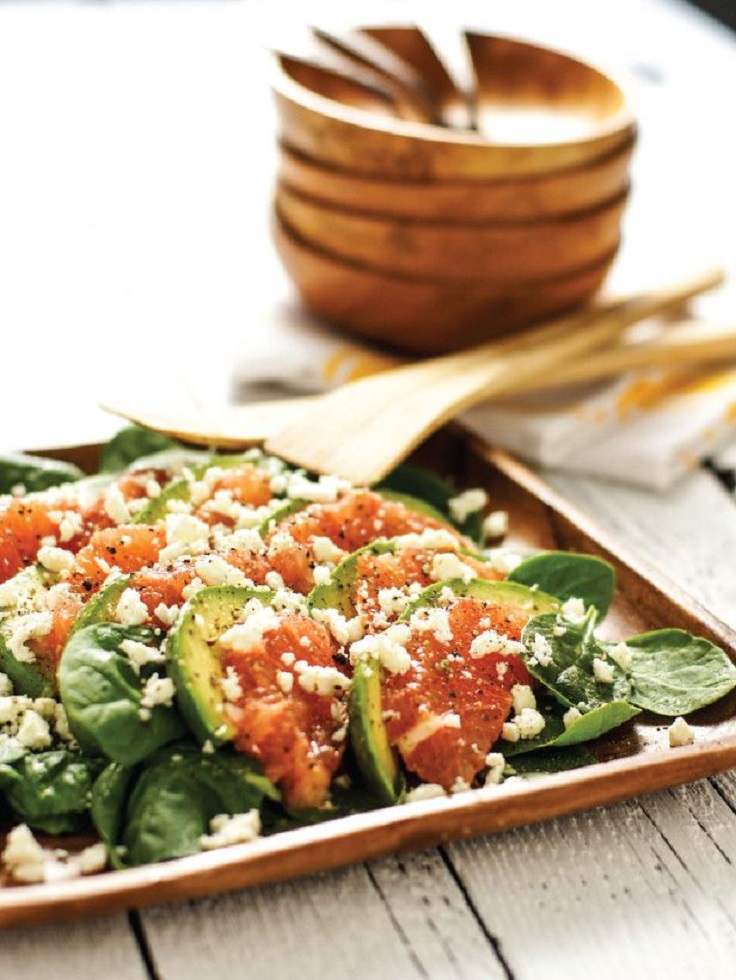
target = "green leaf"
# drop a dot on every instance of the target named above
(35, 472)
(131, 444)
(178, 793)
(412, 482)
(546, 761)
(673, 672)
(561, 655)
(101, 692)
(586, 728)
(569, 576)
(50, 791)
(109, 799)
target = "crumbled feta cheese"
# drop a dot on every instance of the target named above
(344, 630)
(433, 620)
(425, 791)
(321, 574)
(509, 732)
(92, 859)
(70, 525)
(602, 671)
(285, 680)
(523, 697)
(115, 506)
(214, 570)
(495, 525)
(131, 610)
(166, 614)
(387, 647)
(10, 594)
(574, 610)
(621, 655)
(185, 535)
(34, 732)
(225, 830)
(490, 641)
(680, 733)
(6, 685)
(431, 539)
(157, 691)
(61, 723)
(570, 717)
(447, 565)
(244, 636)
(291, 601)
(30, 627)
(55, 559)
(153, 489)
(23, 856)
(496, 764)
(559, 630)
(324, 681)
(326, 552)
(246, 539)
(274, 581)
(288, 658)
(230, 684)
(195, 586)
(467, 503)
(392, 602)
(503, 560)
(139, 654)
(541, 650)
(325, 490)
(529, 722)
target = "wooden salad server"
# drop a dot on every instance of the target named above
(366, 427)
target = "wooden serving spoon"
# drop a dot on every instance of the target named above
(363, 429)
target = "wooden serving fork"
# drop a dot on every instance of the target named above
(365, 428)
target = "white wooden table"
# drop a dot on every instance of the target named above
(137, 155)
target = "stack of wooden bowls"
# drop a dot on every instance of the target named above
(425, 217)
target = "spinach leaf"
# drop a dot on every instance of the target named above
(673, 672)
(101, 692)
(569, 576)
(109, 799)
(35, 472)
(177, 794)
(586, 728)
(545, 761)
(131, 444)
(562, 655)
(423, 485)
(50, 791)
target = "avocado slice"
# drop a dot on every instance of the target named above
(533, 602)
(376, 759)
(335, 594)
(102, 606)
(193, 662)
(374, 755)
(30, 585)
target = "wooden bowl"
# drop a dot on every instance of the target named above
(450, 251)
(425, 316)
(557, 90)
(554, 193)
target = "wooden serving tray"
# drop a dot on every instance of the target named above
(632, 760)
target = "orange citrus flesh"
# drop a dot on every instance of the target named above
(296, 734)
(445, 682)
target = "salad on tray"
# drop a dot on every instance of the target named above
(197, 649)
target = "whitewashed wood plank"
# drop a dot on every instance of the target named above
(87, 950)
(600, 893)
(404, 918)
(687, 533)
